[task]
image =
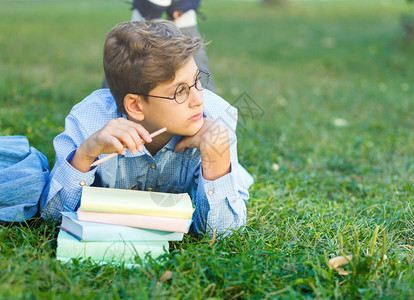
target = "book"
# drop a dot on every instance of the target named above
(121, 201)
(117, 252)
(127, 265)
(148, 222)
(95, 232)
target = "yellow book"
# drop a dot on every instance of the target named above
(99, 199)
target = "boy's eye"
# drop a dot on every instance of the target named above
(180, 91)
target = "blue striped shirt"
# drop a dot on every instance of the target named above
(220, 204)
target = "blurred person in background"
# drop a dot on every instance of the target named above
(183, 13)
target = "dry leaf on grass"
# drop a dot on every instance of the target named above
(213, 238)
(166, 276)
(336, 262)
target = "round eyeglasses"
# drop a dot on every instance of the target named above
(183, 89)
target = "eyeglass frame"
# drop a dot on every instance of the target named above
(175, 92)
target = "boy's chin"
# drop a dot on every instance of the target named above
(193, 128)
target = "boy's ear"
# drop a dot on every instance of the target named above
(133, 106)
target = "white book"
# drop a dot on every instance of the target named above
(99, 232)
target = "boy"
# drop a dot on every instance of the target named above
(154, 83)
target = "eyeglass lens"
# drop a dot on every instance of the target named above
(183, 90)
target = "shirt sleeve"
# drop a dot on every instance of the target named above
(220, 204)
(64, 188)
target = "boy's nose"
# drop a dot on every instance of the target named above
(195, 98)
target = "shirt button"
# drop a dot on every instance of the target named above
(149, 189)
(210, 192)
(164, 149)
(82, 183)
(153, 166)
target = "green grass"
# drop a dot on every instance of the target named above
(339, 189)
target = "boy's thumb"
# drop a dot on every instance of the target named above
(180, 146)
(186, 142)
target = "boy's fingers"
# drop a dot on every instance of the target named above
(142, 132)
(184, 143)
(117, 145)
(136, 137)
(179, 147)
(126, 139)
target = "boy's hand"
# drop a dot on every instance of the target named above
(213, 141)
(116, 136)
(211, 134)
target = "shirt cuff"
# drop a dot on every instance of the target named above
(220, 188)
(72, 178)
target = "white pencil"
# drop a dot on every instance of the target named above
(152, 135)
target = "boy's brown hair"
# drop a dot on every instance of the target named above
(140, 55)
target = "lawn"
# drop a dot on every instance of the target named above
(328, 138)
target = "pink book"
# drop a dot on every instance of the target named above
(141, 221)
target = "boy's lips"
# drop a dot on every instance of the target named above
(196, 117)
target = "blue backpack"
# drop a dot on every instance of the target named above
(24, 171)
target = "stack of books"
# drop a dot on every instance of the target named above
(114, 225)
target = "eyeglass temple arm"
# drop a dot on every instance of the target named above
(146, 95)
